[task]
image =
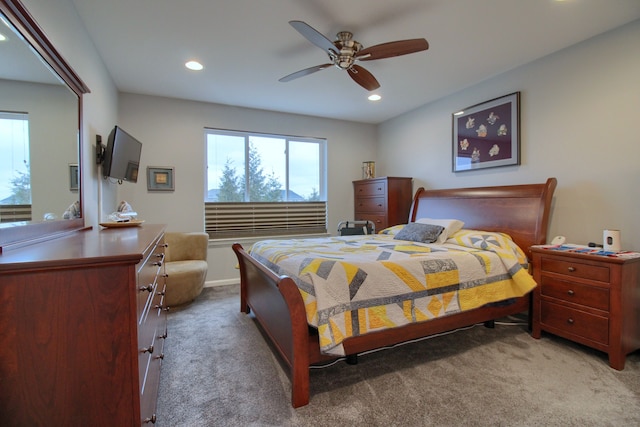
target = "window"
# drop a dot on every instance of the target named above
(15, 176)
(264, 185)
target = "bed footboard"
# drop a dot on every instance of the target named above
(278, 307)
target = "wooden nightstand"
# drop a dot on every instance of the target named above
(590, 299)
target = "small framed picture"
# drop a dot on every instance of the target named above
(73, 177)
(487, 135)
(160, 178)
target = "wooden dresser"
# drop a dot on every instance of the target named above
(590, 299)
(82, 329)
(385, 201)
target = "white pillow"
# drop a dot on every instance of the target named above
(451, 226)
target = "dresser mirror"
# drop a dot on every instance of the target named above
(40, 139)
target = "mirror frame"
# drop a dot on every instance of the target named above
(13, 235)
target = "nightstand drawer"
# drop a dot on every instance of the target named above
(373, 188)
(576, 269)
(371, 204)
(575, 322)
(576, 293)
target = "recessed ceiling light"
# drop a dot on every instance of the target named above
(194, 65)
(374, 97)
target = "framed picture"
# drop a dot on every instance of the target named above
(160, 178)
(73, 177)
(487, 135)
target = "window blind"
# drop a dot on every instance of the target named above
(264, 219)
(14, 213)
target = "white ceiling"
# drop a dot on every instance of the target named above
(247, 45)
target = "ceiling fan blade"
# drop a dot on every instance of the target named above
(363, 77)
(304, 72)
(314, 36)
(390, 49)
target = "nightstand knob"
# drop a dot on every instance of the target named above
(571, 269)
(570, 321)
(570, 292)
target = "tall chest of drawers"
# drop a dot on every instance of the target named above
(385, 201)
(590, 299)
(82, 328)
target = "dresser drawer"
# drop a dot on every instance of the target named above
(371, 204)
(600, 273)
(575, 322)
(368, 189)
(592, 296)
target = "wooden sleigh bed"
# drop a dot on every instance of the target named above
(521, 211)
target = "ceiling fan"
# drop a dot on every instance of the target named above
(344, 52)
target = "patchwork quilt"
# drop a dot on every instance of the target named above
(352, 285)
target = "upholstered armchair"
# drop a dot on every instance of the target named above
(185, 266)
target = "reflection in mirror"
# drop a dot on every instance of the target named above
(40, 150)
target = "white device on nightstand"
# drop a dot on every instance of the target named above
(558, 240)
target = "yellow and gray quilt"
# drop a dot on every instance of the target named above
(352, 285)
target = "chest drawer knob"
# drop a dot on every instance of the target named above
(571, 269)
(570, 321)
(570, 292)
(147, 288)
(147, 349)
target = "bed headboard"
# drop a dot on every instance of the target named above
(522, 211)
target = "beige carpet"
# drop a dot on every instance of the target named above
(219, 371)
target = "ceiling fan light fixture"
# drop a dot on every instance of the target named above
(374, 97)
(194, 65)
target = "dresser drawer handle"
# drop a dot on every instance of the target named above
(570, 321)
(151, 419)
(147, 350)
(571, 269)
(147, 288)
(570, 292)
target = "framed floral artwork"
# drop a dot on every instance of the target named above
(487, 135)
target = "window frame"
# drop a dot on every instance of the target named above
(267, 219)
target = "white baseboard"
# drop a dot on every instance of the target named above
(213, 283)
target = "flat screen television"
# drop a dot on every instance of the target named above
(121, 156)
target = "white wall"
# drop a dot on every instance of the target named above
(579, 118)
(172, 134)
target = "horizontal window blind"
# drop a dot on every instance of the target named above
(224, 220)
(14, 213)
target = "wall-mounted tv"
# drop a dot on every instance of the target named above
(121, 156)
